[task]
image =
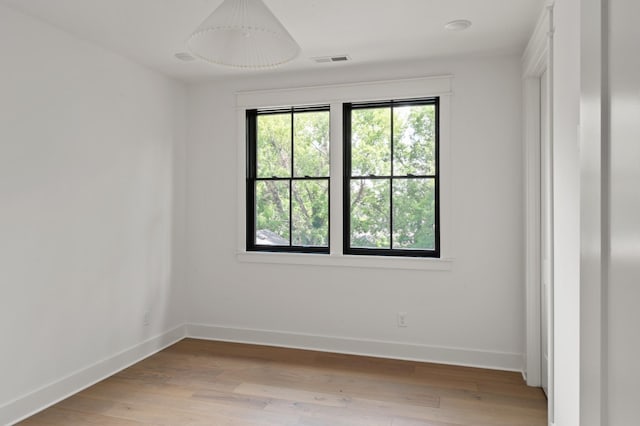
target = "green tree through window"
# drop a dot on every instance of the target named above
(391, 178)
(288, 180)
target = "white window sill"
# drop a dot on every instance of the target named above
(384, 262)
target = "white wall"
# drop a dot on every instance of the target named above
(566, 199)
(90, 152)
(476, 308)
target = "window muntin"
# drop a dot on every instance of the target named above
(391, 178)
(288, 180)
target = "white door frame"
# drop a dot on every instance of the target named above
(536, 59)
(595, 134)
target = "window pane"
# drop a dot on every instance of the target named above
(414, 214)
(414, 142)
(311, 144)
(274, 145)
(370, 212)
(272, 213)
(310, 213)
(371, 142)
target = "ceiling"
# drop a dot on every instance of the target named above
(151, 32)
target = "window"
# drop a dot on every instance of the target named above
(382, 199)
(288, 180)
(391, 178)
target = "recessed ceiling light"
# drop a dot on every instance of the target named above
(458, 25)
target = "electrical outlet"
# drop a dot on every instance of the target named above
(146, 320)
(402, 319)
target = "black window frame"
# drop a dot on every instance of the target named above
(252, 179)
(347, 178)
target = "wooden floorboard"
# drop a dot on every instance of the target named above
(197, 382)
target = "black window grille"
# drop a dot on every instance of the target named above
(287, 183)
(391, 185)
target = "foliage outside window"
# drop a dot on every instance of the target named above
(288, 180)
(391, 178)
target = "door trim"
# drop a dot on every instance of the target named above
(536, 59)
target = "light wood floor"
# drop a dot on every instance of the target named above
(196, 382)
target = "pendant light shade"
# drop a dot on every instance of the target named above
(243, 34)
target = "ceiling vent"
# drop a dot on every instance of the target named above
(328, 59)
(185, 56)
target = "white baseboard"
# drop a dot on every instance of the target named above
(374, 348)
(33, 402)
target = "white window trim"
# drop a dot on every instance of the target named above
(335, 96)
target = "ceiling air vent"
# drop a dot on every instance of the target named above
(185, 56)
(328, 59)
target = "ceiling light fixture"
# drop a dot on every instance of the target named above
(243, 34)
(458, 25)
